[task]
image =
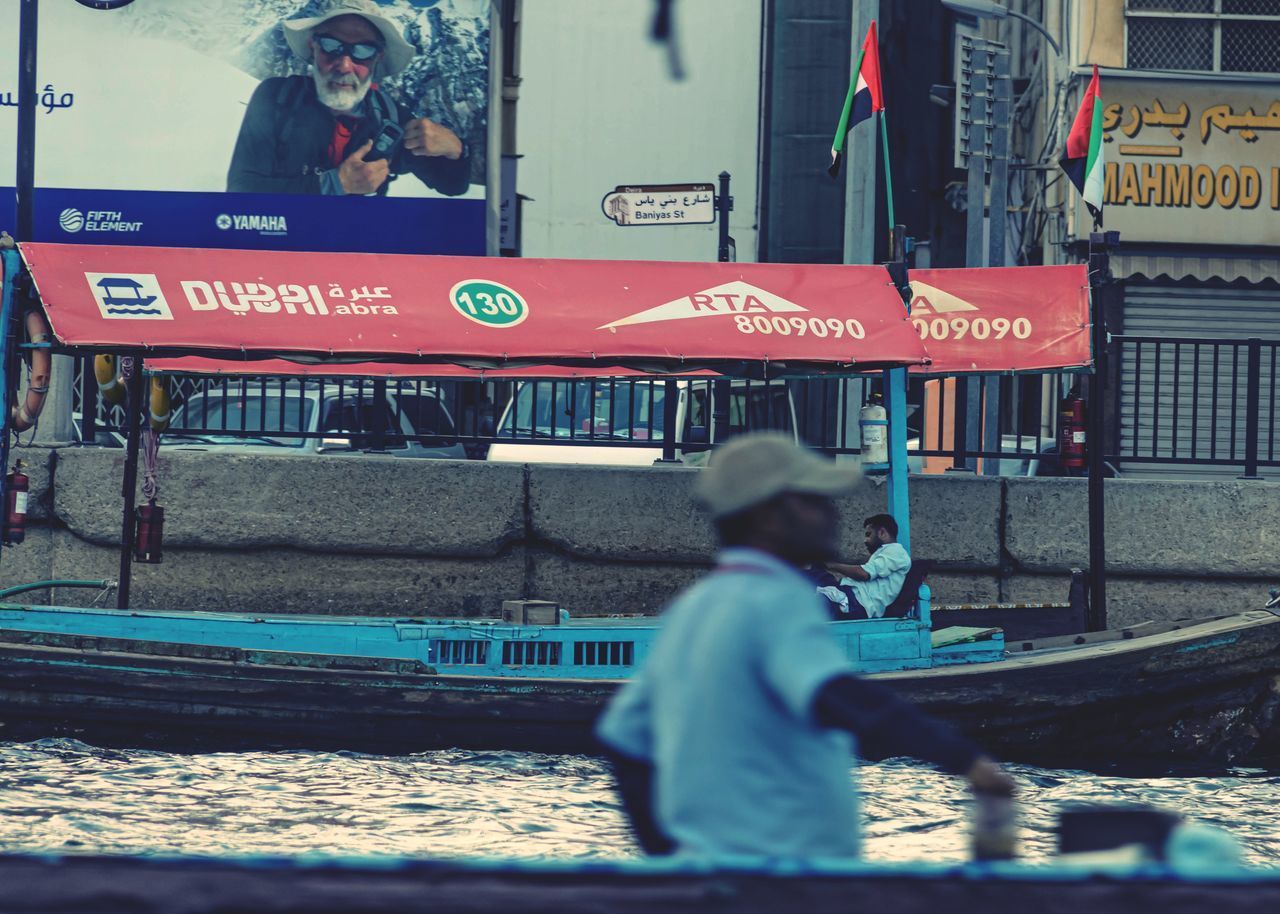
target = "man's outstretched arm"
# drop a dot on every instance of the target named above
(635, 785)
(887, 726)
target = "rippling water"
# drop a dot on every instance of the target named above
(62, 795)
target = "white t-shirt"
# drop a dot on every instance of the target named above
(722, 709)
(888, 568)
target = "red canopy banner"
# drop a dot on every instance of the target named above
(1000, 319)
(478, 312)
(987, 320)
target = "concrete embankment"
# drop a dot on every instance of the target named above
(397, 537)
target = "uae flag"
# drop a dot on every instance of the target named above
(863, 99)
(1083, 161)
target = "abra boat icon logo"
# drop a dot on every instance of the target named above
(927, 299)
(129, 296)
(730, 298)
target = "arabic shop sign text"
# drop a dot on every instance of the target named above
(1192, 161)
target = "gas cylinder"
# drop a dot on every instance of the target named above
(873, 423)
(148, 542)
(1072, 437)
(17, 489)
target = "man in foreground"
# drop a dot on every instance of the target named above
(335, 132)
(737, 734)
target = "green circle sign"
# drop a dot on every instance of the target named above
(490, 303)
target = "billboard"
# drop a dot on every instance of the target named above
(319, 125)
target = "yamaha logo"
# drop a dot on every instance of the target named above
(129, 296)
(262, 223)
(71, 220)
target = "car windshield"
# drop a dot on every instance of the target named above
(245, 420)
(599, 408)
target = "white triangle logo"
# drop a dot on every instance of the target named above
(927, 299)
(730, 298)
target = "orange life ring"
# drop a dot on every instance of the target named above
(27, 411)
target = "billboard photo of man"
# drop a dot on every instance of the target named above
(334, 131)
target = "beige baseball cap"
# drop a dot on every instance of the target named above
(755, 467)
(397, 52)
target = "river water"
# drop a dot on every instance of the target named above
(63, 795)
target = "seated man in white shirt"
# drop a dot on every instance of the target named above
(870, 588)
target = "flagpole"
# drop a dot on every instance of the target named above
(888, 176)
(842, 128)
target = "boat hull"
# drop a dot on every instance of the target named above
(1205, 694)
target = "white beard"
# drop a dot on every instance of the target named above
(340, 93)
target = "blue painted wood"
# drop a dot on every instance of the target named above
(895, 382)
(578, 649)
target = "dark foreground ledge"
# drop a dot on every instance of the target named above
(83, 884)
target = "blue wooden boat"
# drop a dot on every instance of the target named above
(1195, 693)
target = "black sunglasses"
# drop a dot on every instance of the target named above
(360, 51)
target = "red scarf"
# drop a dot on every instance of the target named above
(343, 128)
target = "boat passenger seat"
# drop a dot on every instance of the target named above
(904, 606)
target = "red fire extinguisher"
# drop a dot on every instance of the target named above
(17, 487)
(1072, 439)
(148, 543)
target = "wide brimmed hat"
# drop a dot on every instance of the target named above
(754, 468)
(396, 54)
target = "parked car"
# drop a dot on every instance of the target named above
(622, 421)
(293, 418)
(1021, 457)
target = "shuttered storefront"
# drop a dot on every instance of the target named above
(1189, 401)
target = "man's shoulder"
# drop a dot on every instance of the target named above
(897, 554)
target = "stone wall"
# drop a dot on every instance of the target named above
(336, 534)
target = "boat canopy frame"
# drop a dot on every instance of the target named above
(758, 321)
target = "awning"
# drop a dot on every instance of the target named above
(984, 320)
(473, 311)
(1180, 266)
(999, 319)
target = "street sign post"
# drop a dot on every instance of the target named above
(661, 204)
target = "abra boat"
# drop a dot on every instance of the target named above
(1202, 692)
(1197, 692)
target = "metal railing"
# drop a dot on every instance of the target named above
(1202, 401)
(1172, 401)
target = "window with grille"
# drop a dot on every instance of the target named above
(604, 653)
(531, 653)
(1210, 36)
(469, 653)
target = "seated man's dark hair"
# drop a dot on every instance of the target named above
(882, 522)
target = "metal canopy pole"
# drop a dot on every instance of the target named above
(895, 383)
(8, 355)
(1099, 277)
(133, 426)
(27, 91)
